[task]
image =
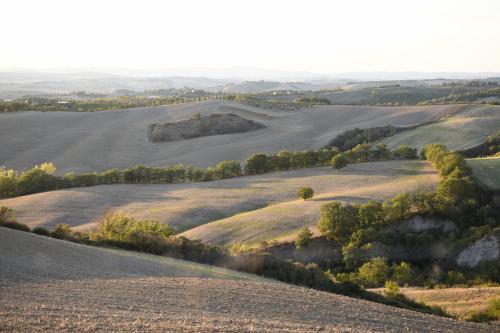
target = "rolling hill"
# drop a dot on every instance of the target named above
(189, 205)
(486, 171)
(52, 285)
(96, 141)
(281, 221)
(466, 128)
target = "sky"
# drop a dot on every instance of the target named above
(316, 36)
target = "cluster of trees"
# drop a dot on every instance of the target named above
(363, 229)
(285, 160)
(313, 100)
(354, 137)
(41, 178)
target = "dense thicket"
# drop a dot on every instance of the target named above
(351, 138)
(364, 229)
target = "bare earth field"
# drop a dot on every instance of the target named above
(95, 141)
(465, 129)
(124, 292)
(486, 171)
(189, 205)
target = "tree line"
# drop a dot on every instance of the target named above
(42, 178)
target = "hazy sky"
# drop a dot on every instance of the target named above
(320, 36)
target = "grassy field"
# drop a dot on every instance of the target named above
(282, 221)
(48, 285)
(189, 205)
(464, 129)
(456, 301)
(486, 171)
(95, 141)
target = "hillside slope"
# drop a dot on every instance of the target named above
(282, 221)
(486, 171)
(95, 141)
(111, 301)
(189, 205)
(465, 129)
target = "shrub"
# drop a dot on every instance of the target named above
(8, 220)
(305, 193)
(119, 226)
(62, 231)
(303, 238)
(41, 231)
(391, 288)
(7, 215)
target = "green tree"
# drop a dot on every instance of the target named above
(303, 238)
(374, 273)
(227, 169)
(402, 273)
(339, 161)
(338, 221)
(256, 164)
(405, 152)
(371, 214)
(305, 193)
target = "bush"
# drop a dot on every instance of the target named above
(41, 231)
(62, 231)
(8, 220)
(374, 273)
(305, 193)
(303, 238)
(339, 161)
(119, 226)
(391, 288)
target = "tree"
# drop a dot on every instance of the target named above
(374, 272)
(339, 161)
(256, 164)
(405, 152)
(371, 214)
(227, 169)
(402, 273)
(303, 238)
(455, 191)
(338, 221)
(305, 193)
